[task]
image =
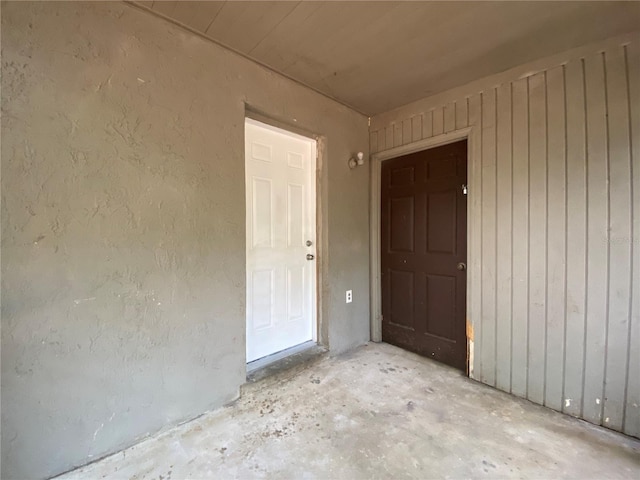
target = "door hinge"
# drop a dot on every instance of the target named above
(464, 189)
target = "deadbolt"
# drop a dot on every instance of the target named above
(461, 266)
(310, 256)
(309, 243)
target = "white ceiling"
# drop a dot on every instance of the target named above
(378, 55)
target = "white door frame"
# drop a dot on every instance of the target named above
(473, 180)
(264, 122)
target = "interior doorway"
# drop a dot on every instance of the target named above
(280, 179)
(423, 252)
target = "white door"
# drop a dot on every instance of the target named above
(281, 243)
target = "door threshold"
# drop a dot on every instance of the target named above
(285, 363)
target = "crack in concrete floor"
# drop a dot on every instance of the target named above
(376, 412)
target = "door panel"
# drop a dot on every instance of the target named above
(441, 300)
(441, 222)
(423, 239)
(402, 217)
(280, 202)
(401, 298)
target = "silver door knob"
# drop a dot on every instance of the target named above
(461, 266)
(310, 256)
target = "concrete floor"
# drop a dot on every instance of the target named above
(379, 412)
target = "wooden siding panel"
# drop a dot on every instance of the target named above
(449, 117)
(488, 238)
(397, 134)
(427, 124)
(382, 140)
(416, 128)
(438, 121)
(373, 142)
(631, 424)
(503, 238)
(619, 294)
(576, 239)
(556, 239)
(461, 114)
(537, 236)
(474, 252)
(388, 136)
(407, 131)
(597, 235)
(520, 247)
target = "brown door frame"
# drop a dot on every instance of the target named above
(473, 268)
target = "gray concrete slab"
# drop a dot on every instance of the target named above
(283, 364)
(378, 412)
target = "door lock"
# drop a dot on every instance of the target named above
(309, 243)
(461, 266)
(310, 256)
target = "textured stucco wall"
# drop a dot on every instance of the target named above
(123, 260)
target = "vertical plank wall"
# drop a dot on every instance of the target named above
(555, 219)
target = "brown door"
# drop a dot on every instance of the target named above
(424, 252)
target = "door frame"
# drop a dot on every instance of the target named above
(320, 327)
(473, 269)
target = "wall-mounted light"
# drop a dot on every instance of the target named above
(357, 160)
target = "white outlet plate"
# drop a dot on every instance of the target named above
(349, 296)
